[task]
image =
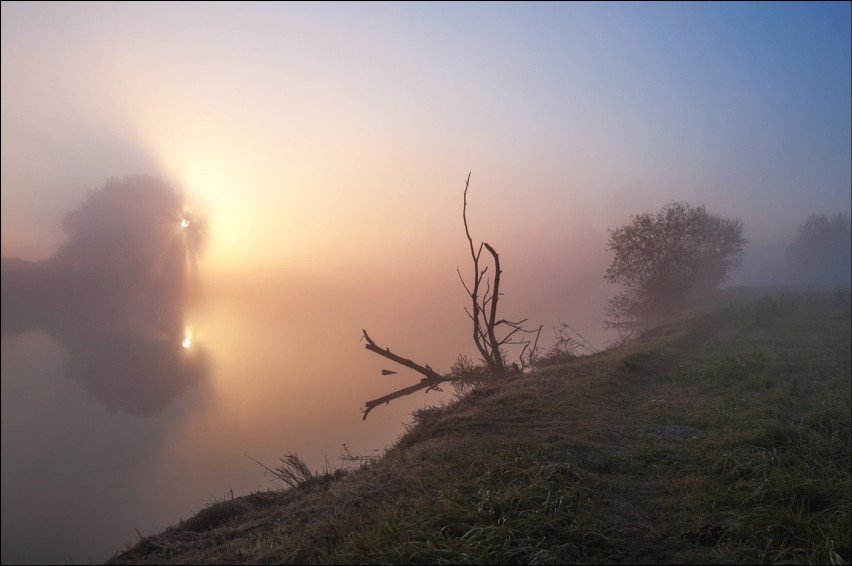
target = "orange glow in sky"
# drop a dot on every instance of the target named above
(327, 145)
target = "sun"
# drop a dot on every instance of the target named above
(184, 223)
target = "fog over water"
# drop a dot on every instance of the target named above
(203, 206)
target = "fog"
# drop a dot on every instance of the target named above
(260, 182)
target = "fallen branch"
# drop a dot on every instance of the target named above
(431, 381)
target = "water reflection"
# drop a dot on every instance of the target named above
(116, 295)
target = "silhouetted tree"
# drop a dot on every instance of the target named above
(664, 258)
(490, 333)
(821, 252)
(116, 293)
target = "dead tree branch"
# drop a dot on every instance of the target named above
(483, 313)
(431, 381)
(530, 350)
(484, 302)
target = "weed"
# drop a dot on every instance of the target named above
(293, 471)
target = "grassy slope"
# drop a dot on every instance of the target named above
(722, 436)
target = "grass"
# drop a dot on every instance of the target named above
(519, 506)
(721, 436)
(293, 471)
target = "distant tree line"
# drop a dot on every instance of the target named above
(663, 259)
(821, 252)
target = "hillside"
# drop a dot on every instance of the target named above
(721, 436)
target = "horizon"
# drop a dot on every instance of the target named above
(324, 148)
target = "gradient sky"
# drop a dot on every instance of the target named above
(340, 134)
(328, 143)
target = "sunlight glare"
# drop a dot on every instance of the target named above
(184, 223)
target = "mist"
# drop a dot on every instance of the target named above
(116, 295)
(318, 154)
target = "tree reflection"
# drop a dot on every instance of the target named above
(116, 294)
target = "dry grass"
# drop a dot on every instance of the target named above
(721, 436)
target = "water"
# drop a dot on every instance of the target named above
(140, 384)
(81, 477)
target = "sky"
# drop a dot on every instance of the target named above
(338, 136)
(327, 147)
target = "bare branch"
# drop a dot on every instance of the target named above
(427, 371)
(508, 336)
(510, 323)
(496, 357)
(464, 217)
(482, 312)
(462, 282)
(431, 381)
(425, 383)
(532, 350)
(537, 335)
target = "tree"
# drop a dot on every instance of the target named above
(116, 294)
(490, 333)
(821, 252)
(665, 258)
(486, 326)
